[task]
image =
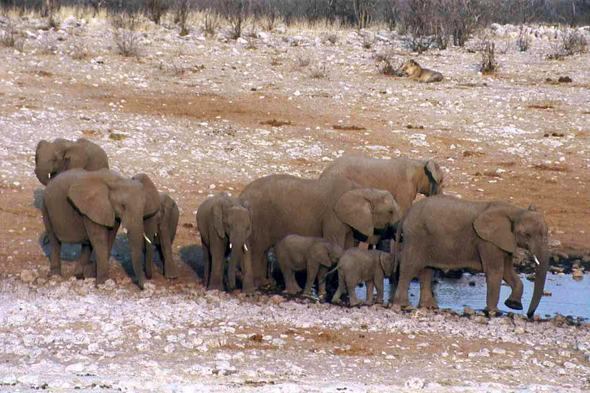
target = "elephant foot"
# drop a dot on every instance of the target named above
(428, 306)
(54, 272)
(170, 276)
(492, 313)
(513, 304)
(291, 291)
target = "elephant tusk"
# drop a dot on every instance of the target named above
(245, 248)
(230, 246)
(146, 239)
(536, 260)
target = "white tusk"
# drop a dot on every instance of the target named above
(125, 230)
(536, 260)
(230, 246)
(146, 239)
(245, 248)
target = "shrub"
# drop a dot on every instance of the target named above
(573, 42)
(302, 61)
(47, 45)
(523, 42)
(155, 10)
(182, 9)
(332, 38)
(79, 51)
(387, 63)
(124, 20)
(488, 63)
(235, 13)
(319, 71)
(368, 41)
(210, 23)
(127, 42)
(8, 35)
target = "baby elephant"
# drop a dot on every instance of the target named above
(356, 266)
(413, 70)
(314, 254)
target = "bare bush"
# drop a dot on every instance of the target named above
(235, 11)
(155, 10)
(181, 11)
(302, 61)
(8, 35)
(368, 41)
(523, 42)
(47, 45)
(210, 23)
(364, 11)
(573, 42)
(488, 63)
(79, 51)
(332, 38)
(319, 71)
(124, 20)
(388, 63)
(127, 42)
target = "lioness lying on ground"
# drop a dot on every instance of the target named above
(414, 71)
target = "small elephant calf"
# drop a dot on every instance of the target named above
(314, 254)
(356, 266)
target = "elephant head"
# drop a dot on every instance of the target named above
(52, 158)
(103, 197)
(386, 263)
(368, 211)
(431, 179)
(234, 221)
(509, 227)
(325, 253)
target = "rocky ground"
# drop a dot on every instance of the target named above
(202, 114)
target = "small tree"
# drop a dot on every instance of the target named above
(182, 10)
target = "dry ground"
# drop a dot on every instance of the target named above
(202, 115)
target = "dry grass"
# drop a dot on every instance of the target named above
(127, 42)
(319, 71)
(488, 64)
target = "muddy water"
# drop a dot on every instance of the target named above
(568, 296)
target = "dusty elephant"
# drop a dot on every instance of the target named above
(225, 225)
(53, 158)
(404, 178)
(315, 255)
(160, 230)
(333, 208)
(356, 266)
(450, 233)
(88, 207)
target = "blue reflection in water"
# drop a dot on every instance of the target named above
(569, 297)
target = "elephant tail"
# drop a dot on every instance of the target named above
(320, 282)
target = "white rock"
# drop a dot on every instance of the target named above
(9, 380)
(415, 383)
(194, 388)
(75, 368)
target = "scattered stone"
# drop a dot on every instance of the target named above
(27, 276)
(415, 383)
(468, 311)
(578, 274)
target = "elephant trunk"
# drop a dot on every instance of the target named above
(135, 235)
(541, 256)
(42, 175)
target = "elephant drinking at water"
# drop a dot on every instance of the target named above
(450, 233)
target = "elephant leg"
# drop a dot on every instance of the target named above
(408, 271)
(55, 259)
(340, 290)
(165, 251)
(83, 261)
(99, 238)
(322, 273)
(312, 273)
(259, 267)
(207, 257)
(379, 285)
(149, 260)
(426, 295)
(248, 278)
(217, 267)
(511, 278)
(231, 274)
(370, 284)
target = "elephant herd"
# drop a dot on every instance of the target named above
(312, 224)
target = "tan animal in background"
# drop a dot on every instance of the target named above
(415, 72)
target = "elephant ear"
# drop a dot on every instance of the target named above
(435, 176)
(74, 156)
(354, 209)
(319, 253)
(152, 196)
(494, 225)
(91, 197)
(218, 220)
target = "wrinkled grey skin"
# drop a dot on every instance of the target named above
(225, 225)
(356, 266)
(315, 255)
(160, 230)
(404, 178)
(53, 158)
(333, 208)
(450, 233)
(88, 207)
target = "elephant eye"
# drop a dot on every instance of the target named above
(123, 207)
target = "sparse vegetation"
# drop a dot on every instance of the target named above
(368, 41)
(210, 23)
(523, 42)
(78, 51)
(182, 10)
(8, 35)
(332, 38)
(387, 63)
(488, 63)
(302, 61)
(319, 71)
(47, 45)
(127, 42)
(573, 42)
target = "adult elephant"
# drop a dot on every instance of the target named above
(52, 158)
(225, 224)
(334, 208)
(88, 208)
(450, 233)
(404, 178)
(160, 230)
